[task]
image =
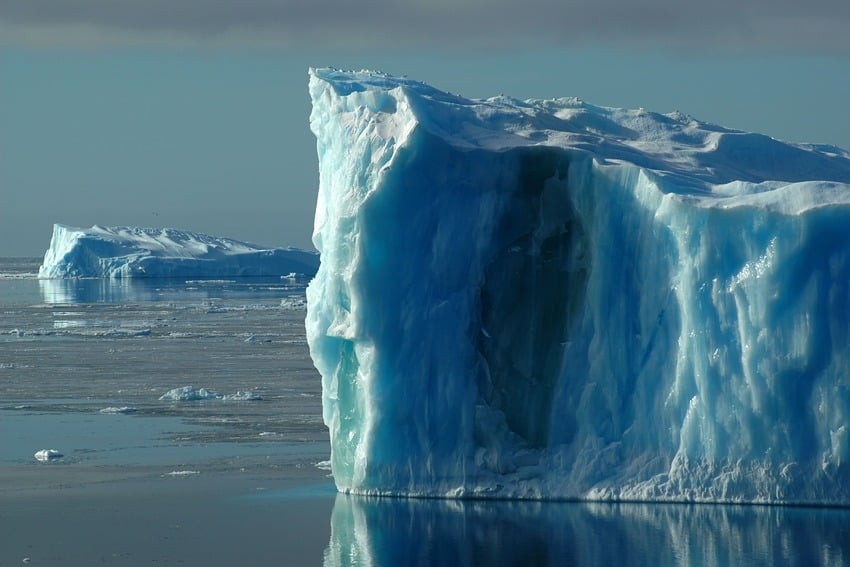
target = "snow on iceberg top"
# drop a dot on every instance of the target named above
(120, 252)
(715, 165)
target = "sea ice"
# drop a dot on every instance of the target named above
(552, 299)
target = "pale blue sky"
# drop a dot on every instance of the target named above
(153, 119)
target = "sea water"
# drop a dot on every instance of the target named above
(83, 364)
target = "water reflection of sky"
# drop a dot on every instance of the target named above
(103, 290)
(384, 531)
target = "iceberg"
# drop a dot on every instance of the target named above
(132, 252)
(549, 299)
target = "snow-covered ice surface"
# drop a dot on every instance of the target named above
(551, 299)
(125, 252)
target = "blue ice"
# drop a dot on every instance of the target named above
(556, 300)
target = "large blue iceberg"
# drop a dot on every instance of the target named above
(134, 252)
(550, 299)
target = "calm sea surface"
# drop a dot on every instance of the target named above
(83, 364)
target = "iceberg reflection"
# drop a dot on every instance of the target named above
(59, 291)
(119, 290)
(387, 531)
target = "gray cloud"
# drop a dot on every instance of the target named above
(786, 25)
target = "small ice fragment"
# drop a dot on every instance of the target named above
(267, 434)
(293, 303)
(47, 455)
(122, 409)
(242, 396)
(323, 465)
(182, 473)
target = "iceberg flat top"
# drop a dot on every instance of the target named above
(700, 159)
(116, 252)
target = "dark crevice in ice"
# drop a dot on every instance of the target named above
(532, 290)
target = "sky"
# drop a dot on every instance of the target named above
(194, 114)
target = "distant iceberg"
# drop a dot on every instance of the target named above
(130, 252)
(552, 299)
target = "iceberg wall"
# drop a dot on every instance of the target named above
(132, 252)
(550, 299)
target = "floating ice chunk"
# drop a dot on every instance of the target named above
(293, 303)
(242, 396)
(182, 473)
(324, 465)
(47, 455)
(122, 409)
(188, 394)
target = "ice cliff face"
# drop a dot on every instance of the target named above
(549, 299)
(124, 252)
